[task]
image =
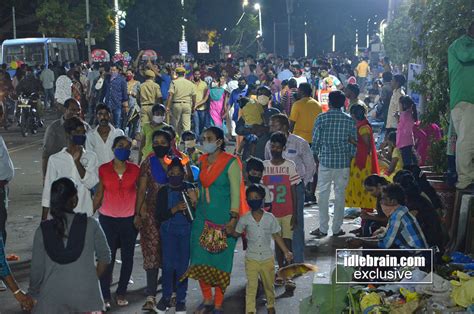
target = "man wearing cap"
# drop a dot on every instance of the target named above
(150, 94)
(181, 101)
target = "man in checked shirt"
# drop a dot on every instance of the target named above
(332, 133)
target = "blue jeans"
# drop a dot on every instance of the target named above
(117, 116)
(49, 97)
(408, 156)
(175, 248)
(118, 231)
(298, 242)
(201, 121)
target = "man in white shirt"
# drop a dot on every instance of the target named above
(75, 163)
(6, 175)
(63, 88)
(285, 73)
(47, 79)
(101, 138)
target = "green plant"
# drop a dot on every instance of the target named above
(437, 156)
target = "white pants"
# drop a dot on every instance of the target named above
(340, 178)
(462, 116)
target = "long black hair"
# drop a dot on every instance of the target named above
(62, 191)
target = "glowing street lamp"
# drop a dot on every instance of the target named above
(259, 9)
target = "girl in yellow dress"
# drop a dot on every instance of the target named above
(364, 164)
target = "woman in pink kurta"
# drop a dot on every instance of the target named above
(216, 105)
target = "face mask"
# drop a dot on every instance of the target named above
(255, 204)
(114, 75)
(242, 87)
(129, 77)
(122, 154)
(161, 151)
(190, 144)
(176, 181)
(79, 139)
(276, 154)
(254, 179)
(307, 69)
(263, 100)
(158, 119)
(209, 147)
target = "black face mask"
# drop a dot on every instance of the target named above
(242, 87)
(254, 179)
(276, 154)
(161, 151)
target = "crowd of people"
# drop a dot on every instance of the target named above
(296, 126)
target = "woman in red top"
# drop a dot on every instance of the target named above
(115, 198)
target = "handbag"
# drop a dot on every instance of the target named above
(213, 237)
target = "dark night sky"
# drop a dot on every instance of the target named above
(324, 18)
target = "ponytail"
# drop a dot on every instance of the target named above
(62, 190)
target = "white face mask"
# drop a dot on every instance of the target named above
(190, 144)
(158, 119)
(263, 100)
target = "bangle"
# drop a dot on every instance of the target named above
(17, 291)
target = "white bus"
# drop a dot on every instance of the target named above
(34, 51)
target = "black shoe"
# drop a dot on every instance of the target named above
(163, 305)
(310, 199)
(338, 234)
(180, 308)
(318, 234)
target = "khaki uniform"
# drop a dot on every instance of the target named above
(183, 91)
(150, 94)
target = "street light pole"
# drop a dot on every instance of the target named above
(117, 27)
(259, 8)
(368, 30)
(305, 40)
(88, 25)
(14, 22)
(289, 11)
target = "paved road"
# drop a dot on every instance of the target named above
(25, 213)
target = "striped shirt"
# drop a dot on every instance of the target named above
(331, 134)
(403, 232)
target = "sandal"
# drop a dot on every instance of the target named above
(318, 234)
(121, 301)
(12, 258)
(279, 281)
(204, 308)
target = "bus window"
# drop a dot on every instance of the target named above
(31, 54)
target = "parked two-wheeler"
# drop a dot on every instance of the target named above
(27, 114)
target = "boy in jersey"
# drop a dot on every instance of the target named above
(281, 178)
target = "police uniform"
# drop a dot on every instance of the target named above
(150, 94)
(182, 92)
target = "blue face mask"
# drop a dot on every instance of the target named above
(79, 139)
(255, 204)
(122, 154)
(209, 147)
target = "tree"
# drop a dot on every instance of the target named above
(242, 38)
(398, 36)
(61, 18)
(438, 24)
(159, 24)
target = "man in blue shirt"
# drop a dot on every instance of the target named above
(116, 95)
(332, 134)
(402, 231)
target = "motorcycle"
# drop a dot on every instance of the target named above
(27, 114)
